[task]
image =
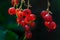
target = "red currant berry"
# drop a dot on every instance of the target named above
(15, 2)
(48, 17)
(23, 23)
(46, 23)
(19, 20)
(28, 35)
(12, 11)
(52, 25)
(20, 14)
(30, 18)
(27, 20)
(32, 24)
(43, 13)
(27, 28)
(26, 12)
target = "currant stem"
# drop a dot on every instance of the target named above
(50, 12)
(21, 4)
(48, 5)
(28, 4)
(22, 1)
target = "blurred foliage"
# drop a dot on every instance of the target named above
(7, 34)
(11, 36)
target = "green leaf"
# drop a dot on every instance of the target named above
(11, 36)
(2, 34)
(12, 25)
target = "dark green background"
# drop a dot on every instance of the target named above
(9, 29)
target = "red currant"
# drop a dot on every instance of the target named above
(28, 35)
(23, 23)
(46, 23)
(19, 20)
(12, 11)
(20, 14)
(50, 25)
(30, 18)
(27, 20)
(48, 17)
(26, 12)
(15, 2)
(27, 28)
(43, 13)
(32, 24)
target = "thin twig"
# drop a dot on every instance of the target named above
(48, 5)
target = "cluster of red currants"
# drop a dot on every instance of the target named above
(24, 18)
(48, 21)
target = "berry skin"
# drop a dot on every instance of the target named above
(46, 23)
(20, 14)
(30, 18)
(43, 13)
(50, 25)
(32, 24)
(14, 2)
(27, 28)
(27, 20)
(27, 12)
(48, 17)
(21, 22)
(12, 11)
(28, 35)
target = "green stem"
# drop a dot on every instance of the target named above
(28, 4)
(48, 5)
(21, 4)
